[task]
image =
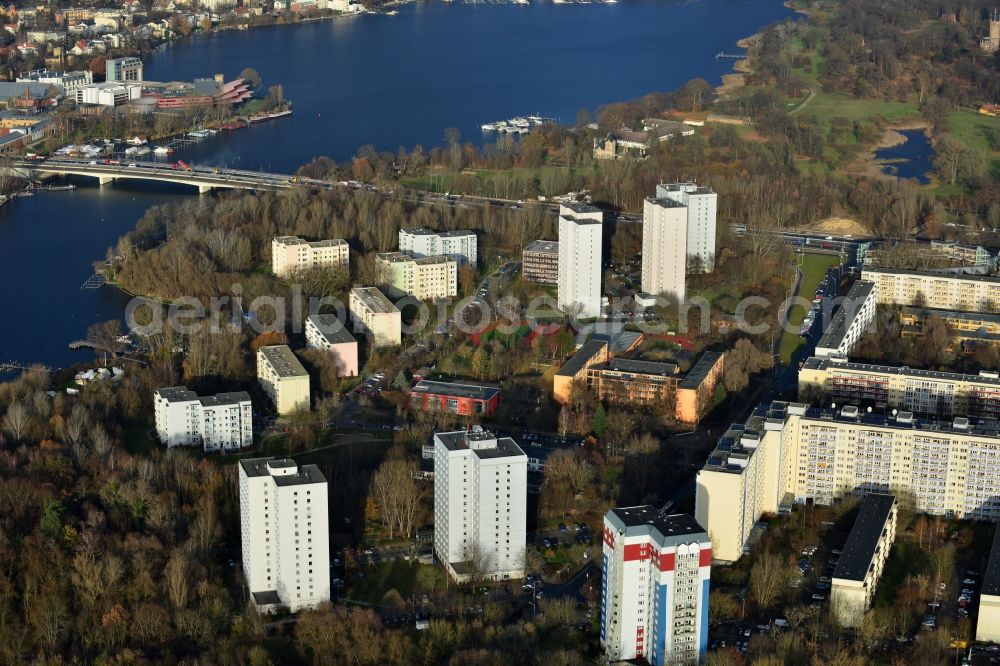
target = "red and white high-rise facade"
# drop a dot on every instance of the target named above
(654, 595)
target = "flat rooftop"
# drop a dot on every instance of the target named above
(176, 394)
(697, 374)
(976, 317)
(284, 362)
(835, 332)
(483, 443)
(641, 367)
(332, 328)
(689, 188)
(374, 300)
(666, 529)
(306, 474)
(991, 579)
(220, 399)
(295, 240)
(859, 549)
(424, 231)
(930, 275)
(543, 247)
(666, 202)
(581, 358)
(816, 363)
(474, 391)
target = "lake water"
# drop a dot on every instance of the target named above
(383, 80)
(914, 157)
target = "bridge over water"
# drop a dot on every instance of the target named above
(204, 178)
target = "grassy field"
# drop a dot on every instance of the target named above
(980, 132)
(905, 559)
(813, 269)
(397, 575)
(826, 106)
(506, 184)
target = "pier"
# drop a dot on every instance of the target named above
(10, 366)
(730, 56)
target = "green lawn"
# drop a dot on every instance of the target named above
(826, 106)
(980, 132)
(398, 575)
(813, 269)
(506, 184)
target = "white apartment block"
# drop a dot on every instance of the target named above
(581, 232)
(291, 253)
(793, 452)
(988, 625)
(966, 293)
(655, 578)
(426, 278)
(376, 317)
(283, 378)
(70, 82)
(327, 333)
(862, 559)
(851, 322)
(221, 422)
(926, 392)
(664, 248)
(480, 504)
(285, 534)
(701, 204)
(460, 246)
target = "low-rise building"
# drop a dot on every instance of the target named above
(851, 322)
(696, 391)
(967, 293)
(655, 579)
(540, 262)
(327, 333)
(283, 378)
(480, 505)
(284, 534)
(459, 245)
(924, 392)
(375, 316)
(291, 253)
(863, 559)
(619, 380)
(108, 93)
(69, 82)
(966, 330)
(593, 352)
(452, 398)
(426, 278)
(988, 626)
(221, 422)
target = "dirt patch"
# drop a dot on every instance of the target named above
(839, 226)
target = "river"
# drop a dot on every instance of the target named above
(389, 81)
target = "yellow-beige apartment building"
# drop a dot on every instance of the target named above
(291, 253)
(967, 293)
(375, 316)
(283, 378)
(425, 278)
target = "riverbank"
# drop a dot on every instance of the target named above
(870, 165)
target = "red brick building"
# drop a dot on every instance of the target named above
(462, 399)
